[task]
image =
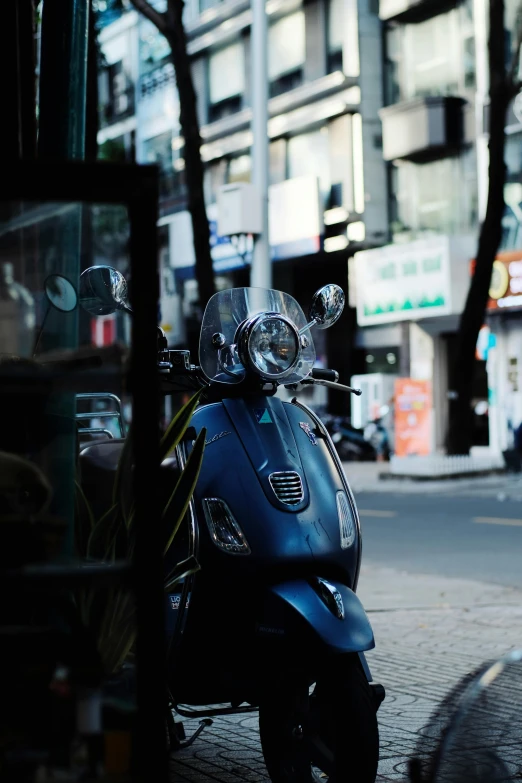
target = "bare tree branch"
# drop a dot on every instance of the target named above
(515, 60)
(158, 19)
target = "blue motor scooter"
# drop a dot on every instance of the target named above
(271, 621)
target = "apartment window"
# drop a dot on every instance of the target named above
(335, 35)
(341, 163)
(215, 177)
(240, 169)
(277, 161)
(286, 53)
(512, 221)
(117, 94)
(153, 46)
(168, 156)
(225, 171)
(434, 57)
(437, 196)
(309, 155)
(204, 5)
(226, 81)
(433, 52)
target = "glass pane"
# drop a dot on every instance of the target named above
(240, 169)
(226, 311)
(437, 196)
(432, 57)
(277, 161)
(309, 155)
(335, 25)
(166, 152)
(54, 440)
(227, 73)
(286, 45)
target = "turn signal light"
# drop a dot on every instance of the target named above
(346, 521)
(223, 527)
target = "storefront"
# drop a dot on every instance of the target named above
(502, 341)
(409, 297)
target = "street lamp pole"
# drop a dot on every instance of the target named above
(261, 272)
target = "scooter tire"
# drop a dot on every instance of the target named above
(347, 716)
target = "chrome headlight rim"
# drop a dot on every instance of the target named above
(244, 335)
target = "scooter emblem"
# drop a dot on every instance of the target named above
(306, 428)
(217, 437)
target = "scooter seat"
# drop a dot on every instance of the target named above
(104, 455)
(98, 466)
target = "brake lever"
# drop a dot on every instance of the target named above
(329, 384)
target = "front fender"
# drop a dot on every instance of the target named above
(294, 609)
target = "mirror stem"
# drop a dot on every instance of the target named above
(39, 335)
(308, 326)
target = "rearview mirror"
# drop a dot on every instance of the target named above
(60, 293)
(327, 306)
(103, 291)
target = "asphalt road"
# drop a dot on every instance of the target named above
(466, 537)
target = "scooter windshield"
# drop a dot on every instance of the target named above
(225, 311)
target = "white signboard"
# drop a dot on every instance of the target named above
(411, 281)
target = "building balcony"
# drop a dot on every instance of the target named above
(422, 129)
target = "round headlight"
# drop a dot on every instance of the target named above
(269, 344)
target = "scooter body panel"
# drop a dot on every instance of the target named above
(254, 612)
(259, 437)
(351, 633)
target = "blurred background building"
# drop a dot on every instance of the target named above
(378, 177)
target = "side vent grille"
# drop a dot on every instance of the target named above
(288, 487)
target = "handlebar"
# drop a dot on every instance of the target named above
(321, 374)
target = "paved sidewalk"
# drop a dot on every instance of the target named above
(429, 630)
(364, 477)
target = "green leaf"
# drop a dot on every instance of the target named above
(178, 426)
(122, 490)
(84, 521)
(181, 571)
(103, 534)
(178, 502)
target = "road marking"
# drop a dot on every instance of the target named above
(368, 512)
(498, 521)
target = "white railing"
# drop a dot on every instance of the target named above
(443, 465)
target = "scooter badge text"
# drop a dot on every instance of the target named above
(217, 437)
(306, 428)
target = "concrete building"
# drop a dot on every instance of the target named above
(328, 195)
(410, 294)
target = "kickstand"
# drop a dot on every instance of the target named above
(203, 724)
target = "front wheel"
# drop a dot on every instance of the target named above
(331, 735)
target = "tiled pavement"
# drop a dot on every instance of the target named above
(429, 632)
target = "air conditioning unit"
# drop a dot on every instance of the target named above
(239, 210)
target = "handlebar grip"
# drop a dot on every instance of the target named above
(321, 374)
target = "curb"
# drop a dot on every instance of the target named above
(441, 476)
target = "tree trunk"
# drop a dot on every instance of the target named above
(194, 171)
(472, 319)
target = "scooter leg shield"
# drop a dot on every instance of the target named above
(333, 618)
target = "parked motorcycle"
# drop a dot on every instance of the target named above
(271, 621)
(350, 443)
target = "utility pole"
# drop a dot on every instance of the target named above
(261, 272)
